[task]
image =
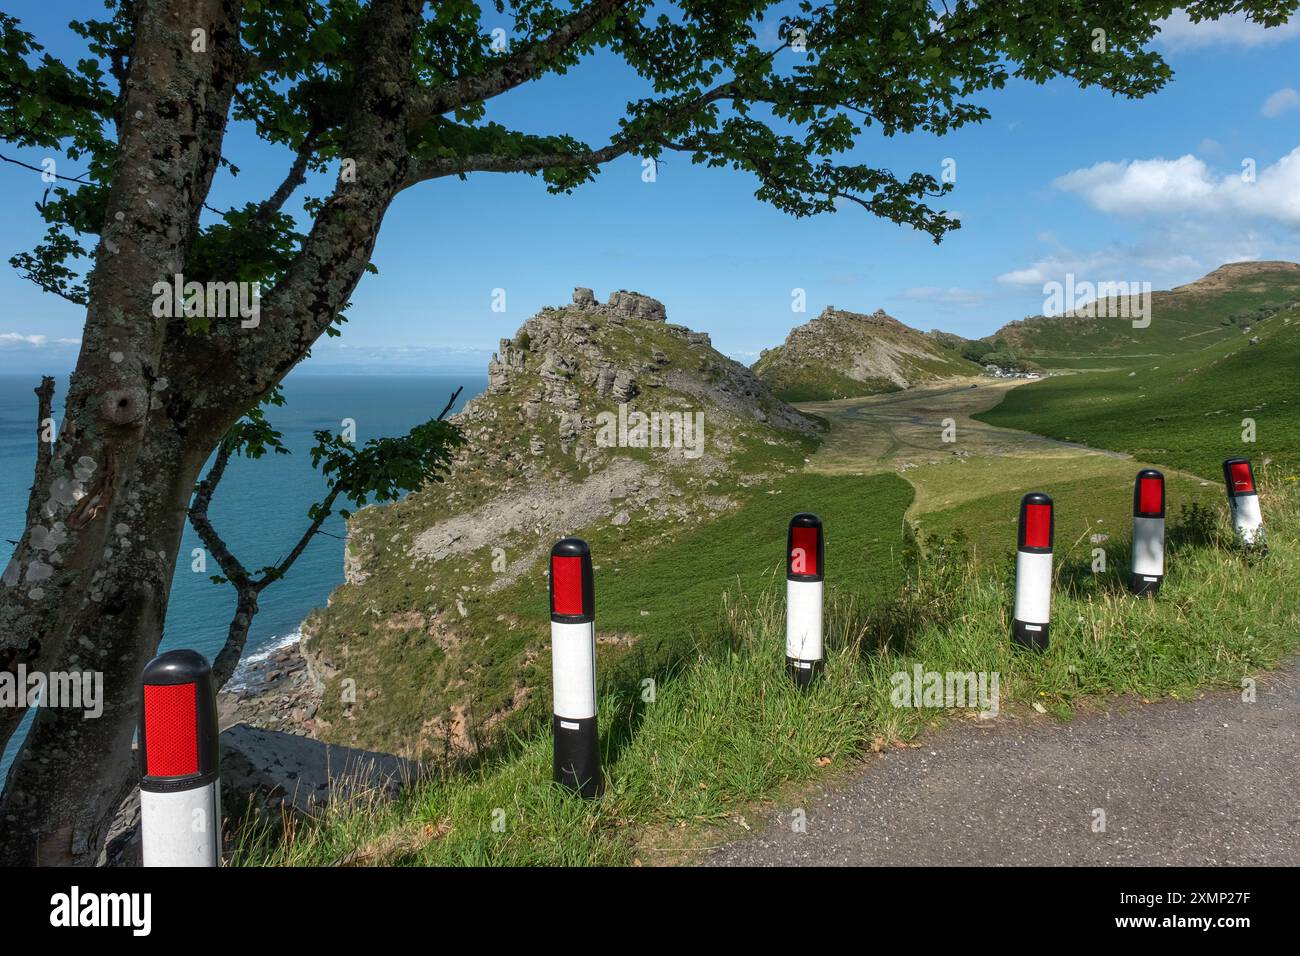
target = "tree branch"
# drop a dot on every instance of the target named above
(230, 566)
(80, 180)
(497, 163)
(296, 176)
(526, 64)
(248, 588)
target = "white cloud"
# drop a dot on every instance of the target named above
(1187, 186)
(1178, 32)
(21, 340)
(1148, 261)
(1284, 100)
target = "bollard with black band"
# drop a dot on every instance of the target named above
(804, 577)
(1033, 608)
(1243, 500)
(573, 668)
(1147, 569)
(180, 796)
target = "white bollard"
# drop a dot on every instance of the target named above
(180, 796)
(1033, 608)
(573, 669)
(1243, 499)
(1147, 569)
(804, 576)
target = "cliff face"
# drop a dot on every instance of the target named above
(599, 419)
(846, 354)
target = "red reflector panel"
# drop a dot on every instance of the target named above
(1241, 481)
(1038, 526)
(803, 551)
(566, 582)
(1149, 494)
(170, 730)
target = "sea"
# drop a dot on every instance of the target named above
(260, 507)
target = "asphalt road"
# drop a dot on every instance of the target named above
(1206, 782)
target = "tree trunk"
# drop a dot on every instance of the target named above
(73, 770)
(87, 584)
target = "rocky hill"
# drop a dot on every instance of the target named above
(846, 354)
(599, 419)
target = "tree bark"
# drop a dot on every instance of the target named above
(87, 585)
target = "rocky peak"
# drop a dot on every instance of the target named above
(632, 305)
(565, 361)
(841, 354)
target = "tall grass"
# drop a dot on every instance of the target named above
(728, 729)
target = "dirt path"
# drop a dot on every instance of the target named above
(898, 430)
(1206, 782)
(905, 432)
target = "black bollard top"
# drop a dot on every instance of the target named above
(805, 549)
(572, 586)
(1149, 494)
(1239, 477)
(178, 723)
(1037, 523)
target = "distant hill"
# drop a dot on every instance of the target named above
(846, 354)
(1185, 410)
(1217, 308)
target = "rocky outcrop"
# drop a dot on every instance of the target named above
(433, 581)
(845, 354)
(637, 306)
(560, 354)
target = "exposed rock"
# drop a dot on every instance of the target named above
(845, 354)
(624, 386)
(638, 306)
(583, 298)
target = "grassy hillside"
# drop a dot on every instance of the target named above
(686, 769)
(659, 597)
(442, 623)
(847, 355)
(1185, 411)
(1093, 501)
(1214, 310)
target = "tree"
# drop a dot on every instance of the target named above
(390, 94)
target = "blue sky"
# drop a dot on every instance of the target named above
(1058, 181)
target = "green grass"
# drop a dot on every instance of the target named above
(658, 598)
(1181, 322)
(726, 729)
(821, 384)
(1097, 505)
(1183, 411)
